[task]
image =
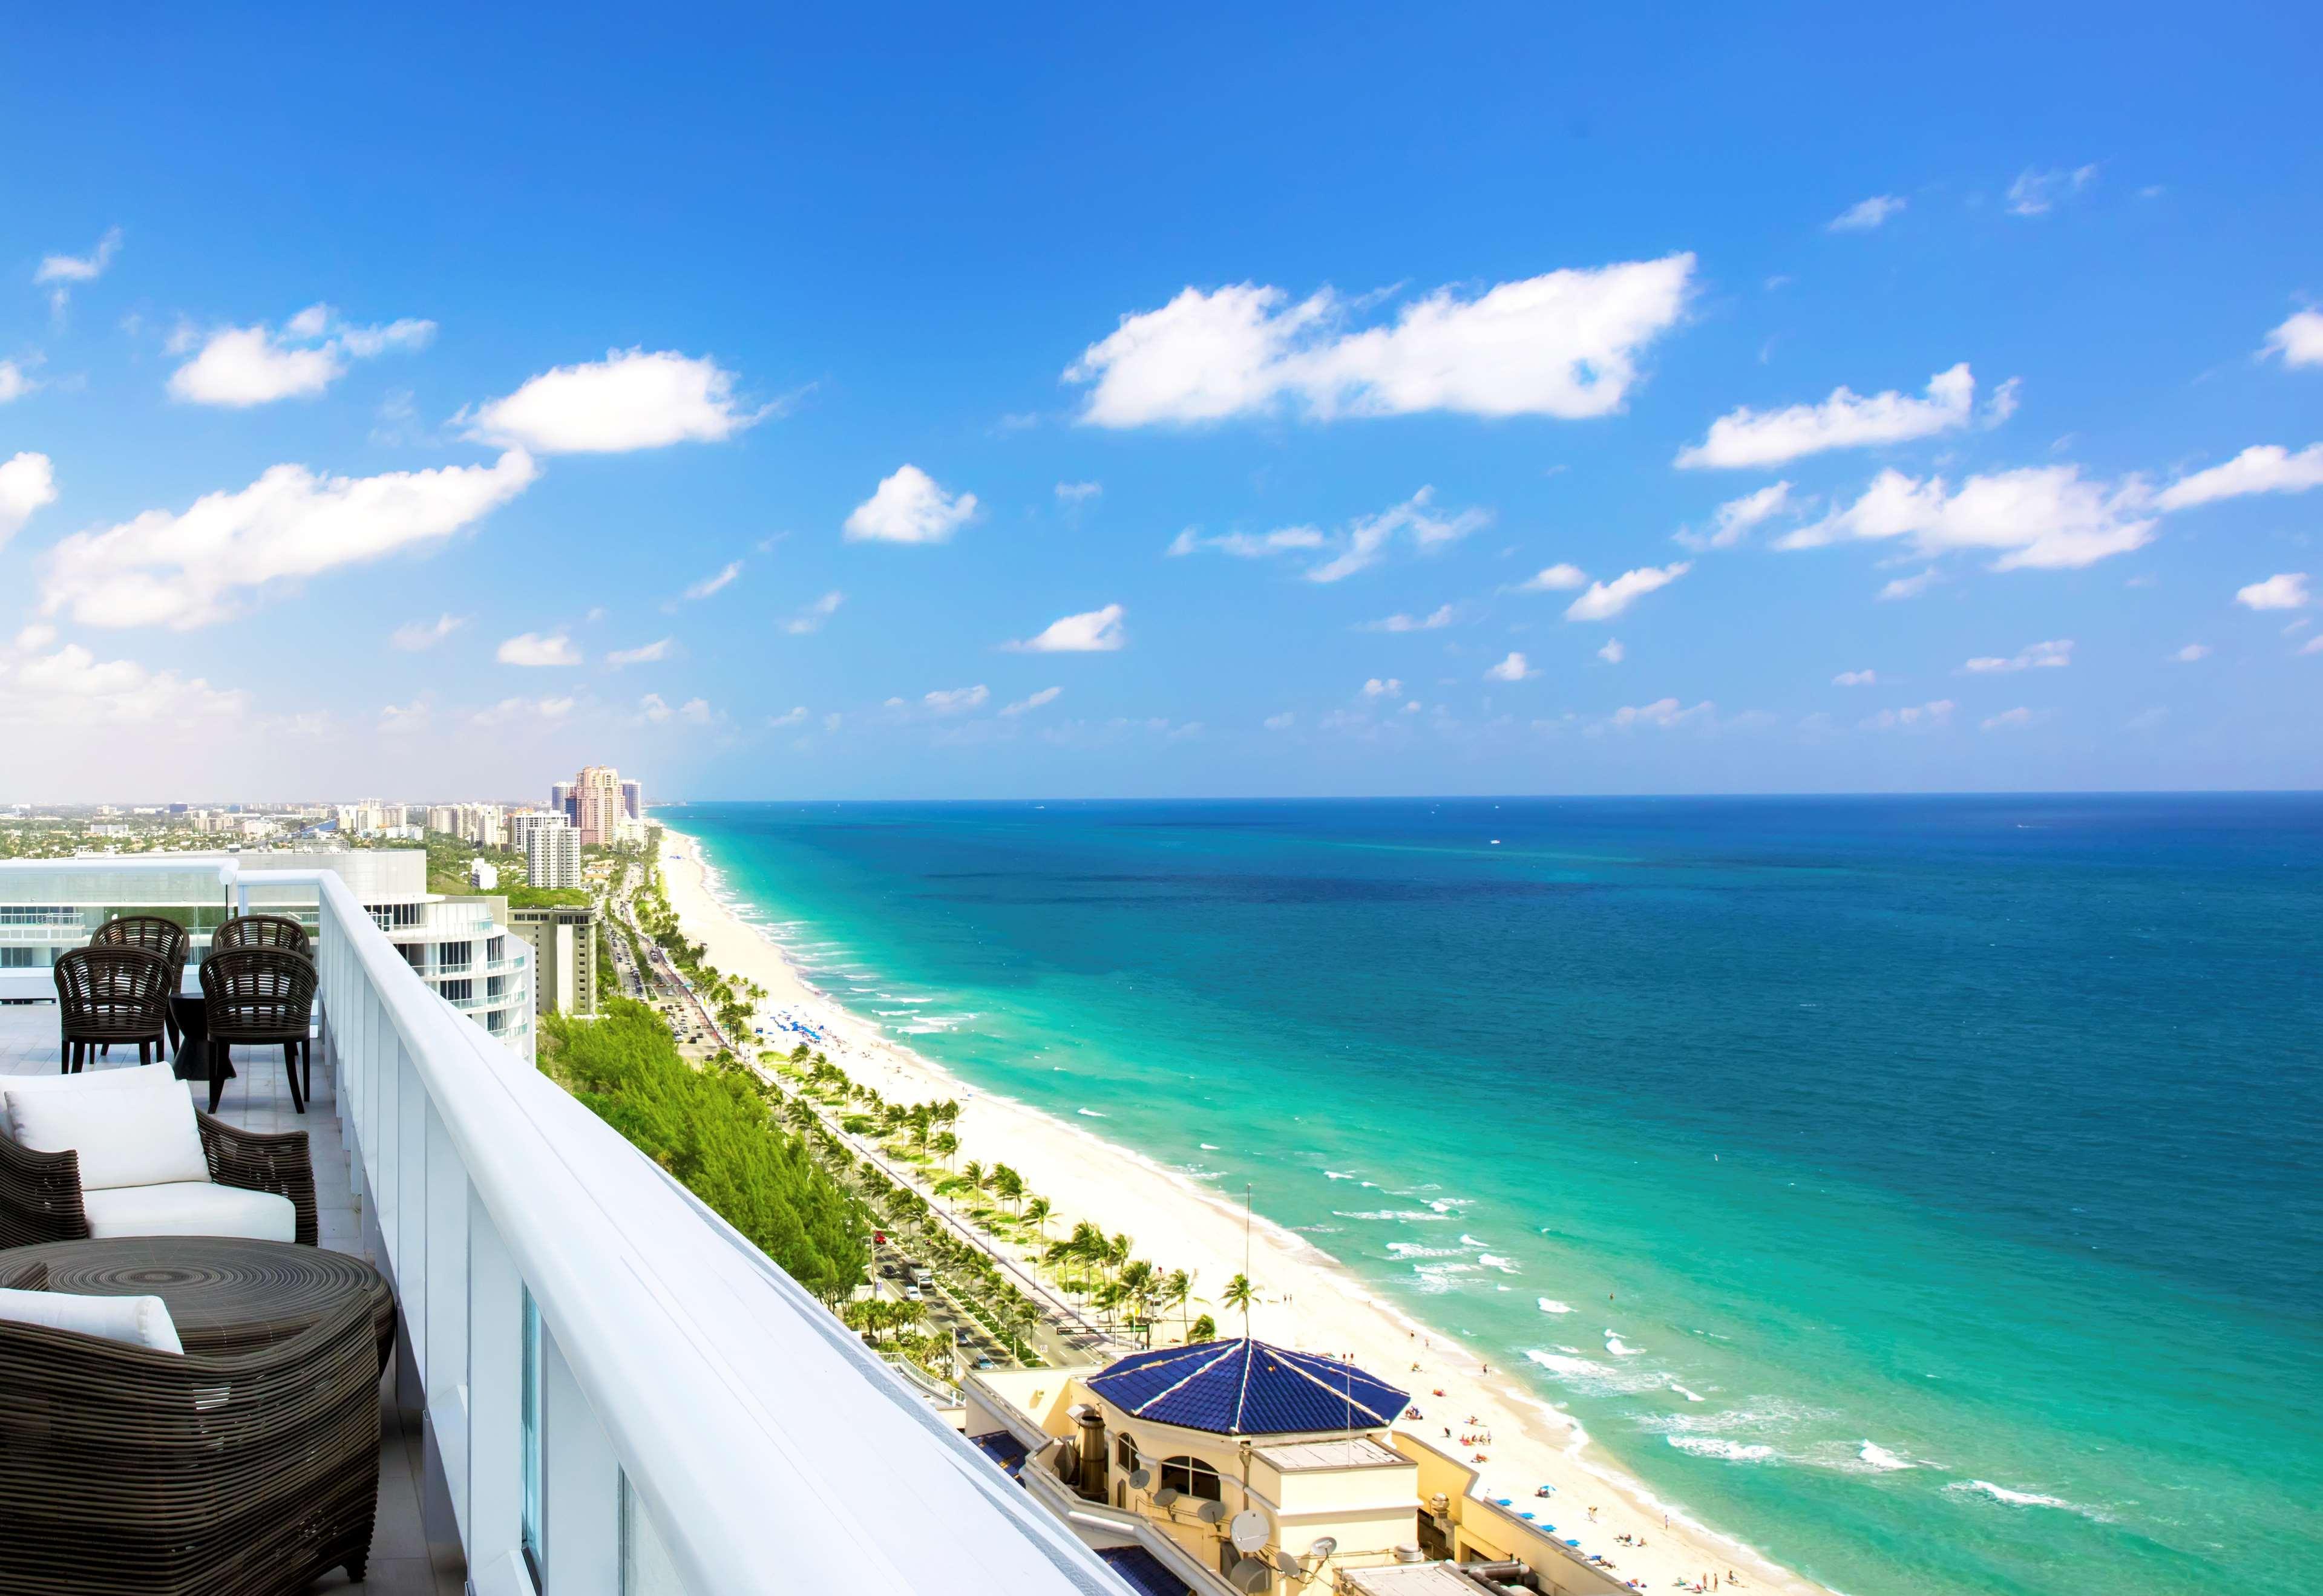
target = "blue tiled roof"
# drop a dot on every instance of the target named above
(1247, 1388)
(1143, 1572)
(1002, 1448)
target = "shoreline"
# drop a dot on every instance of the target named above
(1310, 1299)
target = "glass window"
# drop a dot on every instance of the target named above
(529, 1445)
(1193, 1477)
(1125, 1451)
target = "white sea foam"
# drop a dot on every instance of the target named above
(1881, 1461)
(1718, 1446)
(1393, 1215)
(1468, 1241)
(1208, 1146)
(1090, 1114)
(1494, 1261)
(2015, 1499)
(1568, 1366)
(1415, 1250)
(1549, 1304)
(1681, 1390)
(1446, 1205)
(1615, 1346)
(1335, 1175)
(1435, 1279)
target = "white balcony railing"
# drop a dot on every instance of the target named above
(705, 1426)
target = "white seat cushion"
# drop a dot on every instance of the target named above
(138, 1321)
(138, 1134)
(189, 1208)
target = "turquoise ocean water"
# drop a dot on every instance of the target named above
(1935, 1185)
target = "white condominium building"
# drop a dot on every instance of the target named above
(552, 855)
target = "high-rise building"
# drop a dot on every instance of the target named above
(444, 818)
(523, 823)
(563, 940)
(552, 855)
(597, 805)
(633, 800)
(560, 799)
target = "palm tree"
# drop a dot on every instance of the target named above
(1007, 1182)
(1037, 1211)
(1241, 1294)
(973, 1172)
(946, 1144)
(1205, 1329)
(1177, 1287)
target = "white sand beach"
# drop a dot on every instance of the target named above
(1310, 1301)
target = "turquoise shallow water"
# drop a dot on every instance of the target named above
(1936, 1185)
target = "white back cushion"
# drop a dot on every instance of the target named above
(141, 1135)
(138, 1321)
(90, 1080)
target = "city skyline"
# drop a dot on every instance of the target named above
(1047, 412)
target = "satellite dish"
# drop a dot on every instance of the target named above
(1166, 1496)
(1248, 1530)
(1251, 1575)
(1324, 1546)
(1289, 1562)
(1210, 1512)
(1139, 1479)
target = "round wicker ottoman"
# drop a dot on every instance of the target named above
(248, 1466)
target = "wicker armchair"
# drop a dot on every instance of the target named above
(248, 1466)
(155, 935)
(41, 1196)
(261, 931)
(263, 997)
(111, 995)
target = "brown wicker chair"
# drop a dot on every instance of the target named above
(248, 1466)
(111, 995)
(261, 931)
(40, 1192)
(263, 996)
(155, 935)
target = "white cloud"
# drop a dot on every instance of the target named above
(796, 717)
(644, 654)
(2284, 591)
(2014, 719)
(2314, 645)
(1443, 615)
(2052, 654)
(1514, 668)
(1612, 653)
(631, 399)
(1661, 714)
(419, 635)
(186, 570)
(1846, 420)
(1735, 519)
(1865, 215)
(1246, 546)
(2045, 517)
(80, 268)
(1282, 722)
(1097, 632)
(910, 507)
(957, 700)
(1382, 687)
(1554, 579)
(2191, 652)
(2036, 193)
(1026, 705)
(810, 619)
(1913, 586)
(2300, 340)
(722, 578)
(532, 649)
(1366, 540)
(654, 708)
(2262, 468)
(73, 687)
(1606, 600)
(403, 719)
(1566, 344)
(14, 382)
(27, 483)
(238, 367)
(1865, 678)
(2147, 719)
(696, 712)
(1912, 717)
(511, 712)
(1073, 495)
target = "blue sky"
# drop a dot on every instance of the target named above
(1076, 401)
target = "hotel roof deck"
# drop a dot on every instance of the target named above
(600, 1388)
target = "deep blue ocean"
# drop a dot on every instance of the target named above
(1953, 1166)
